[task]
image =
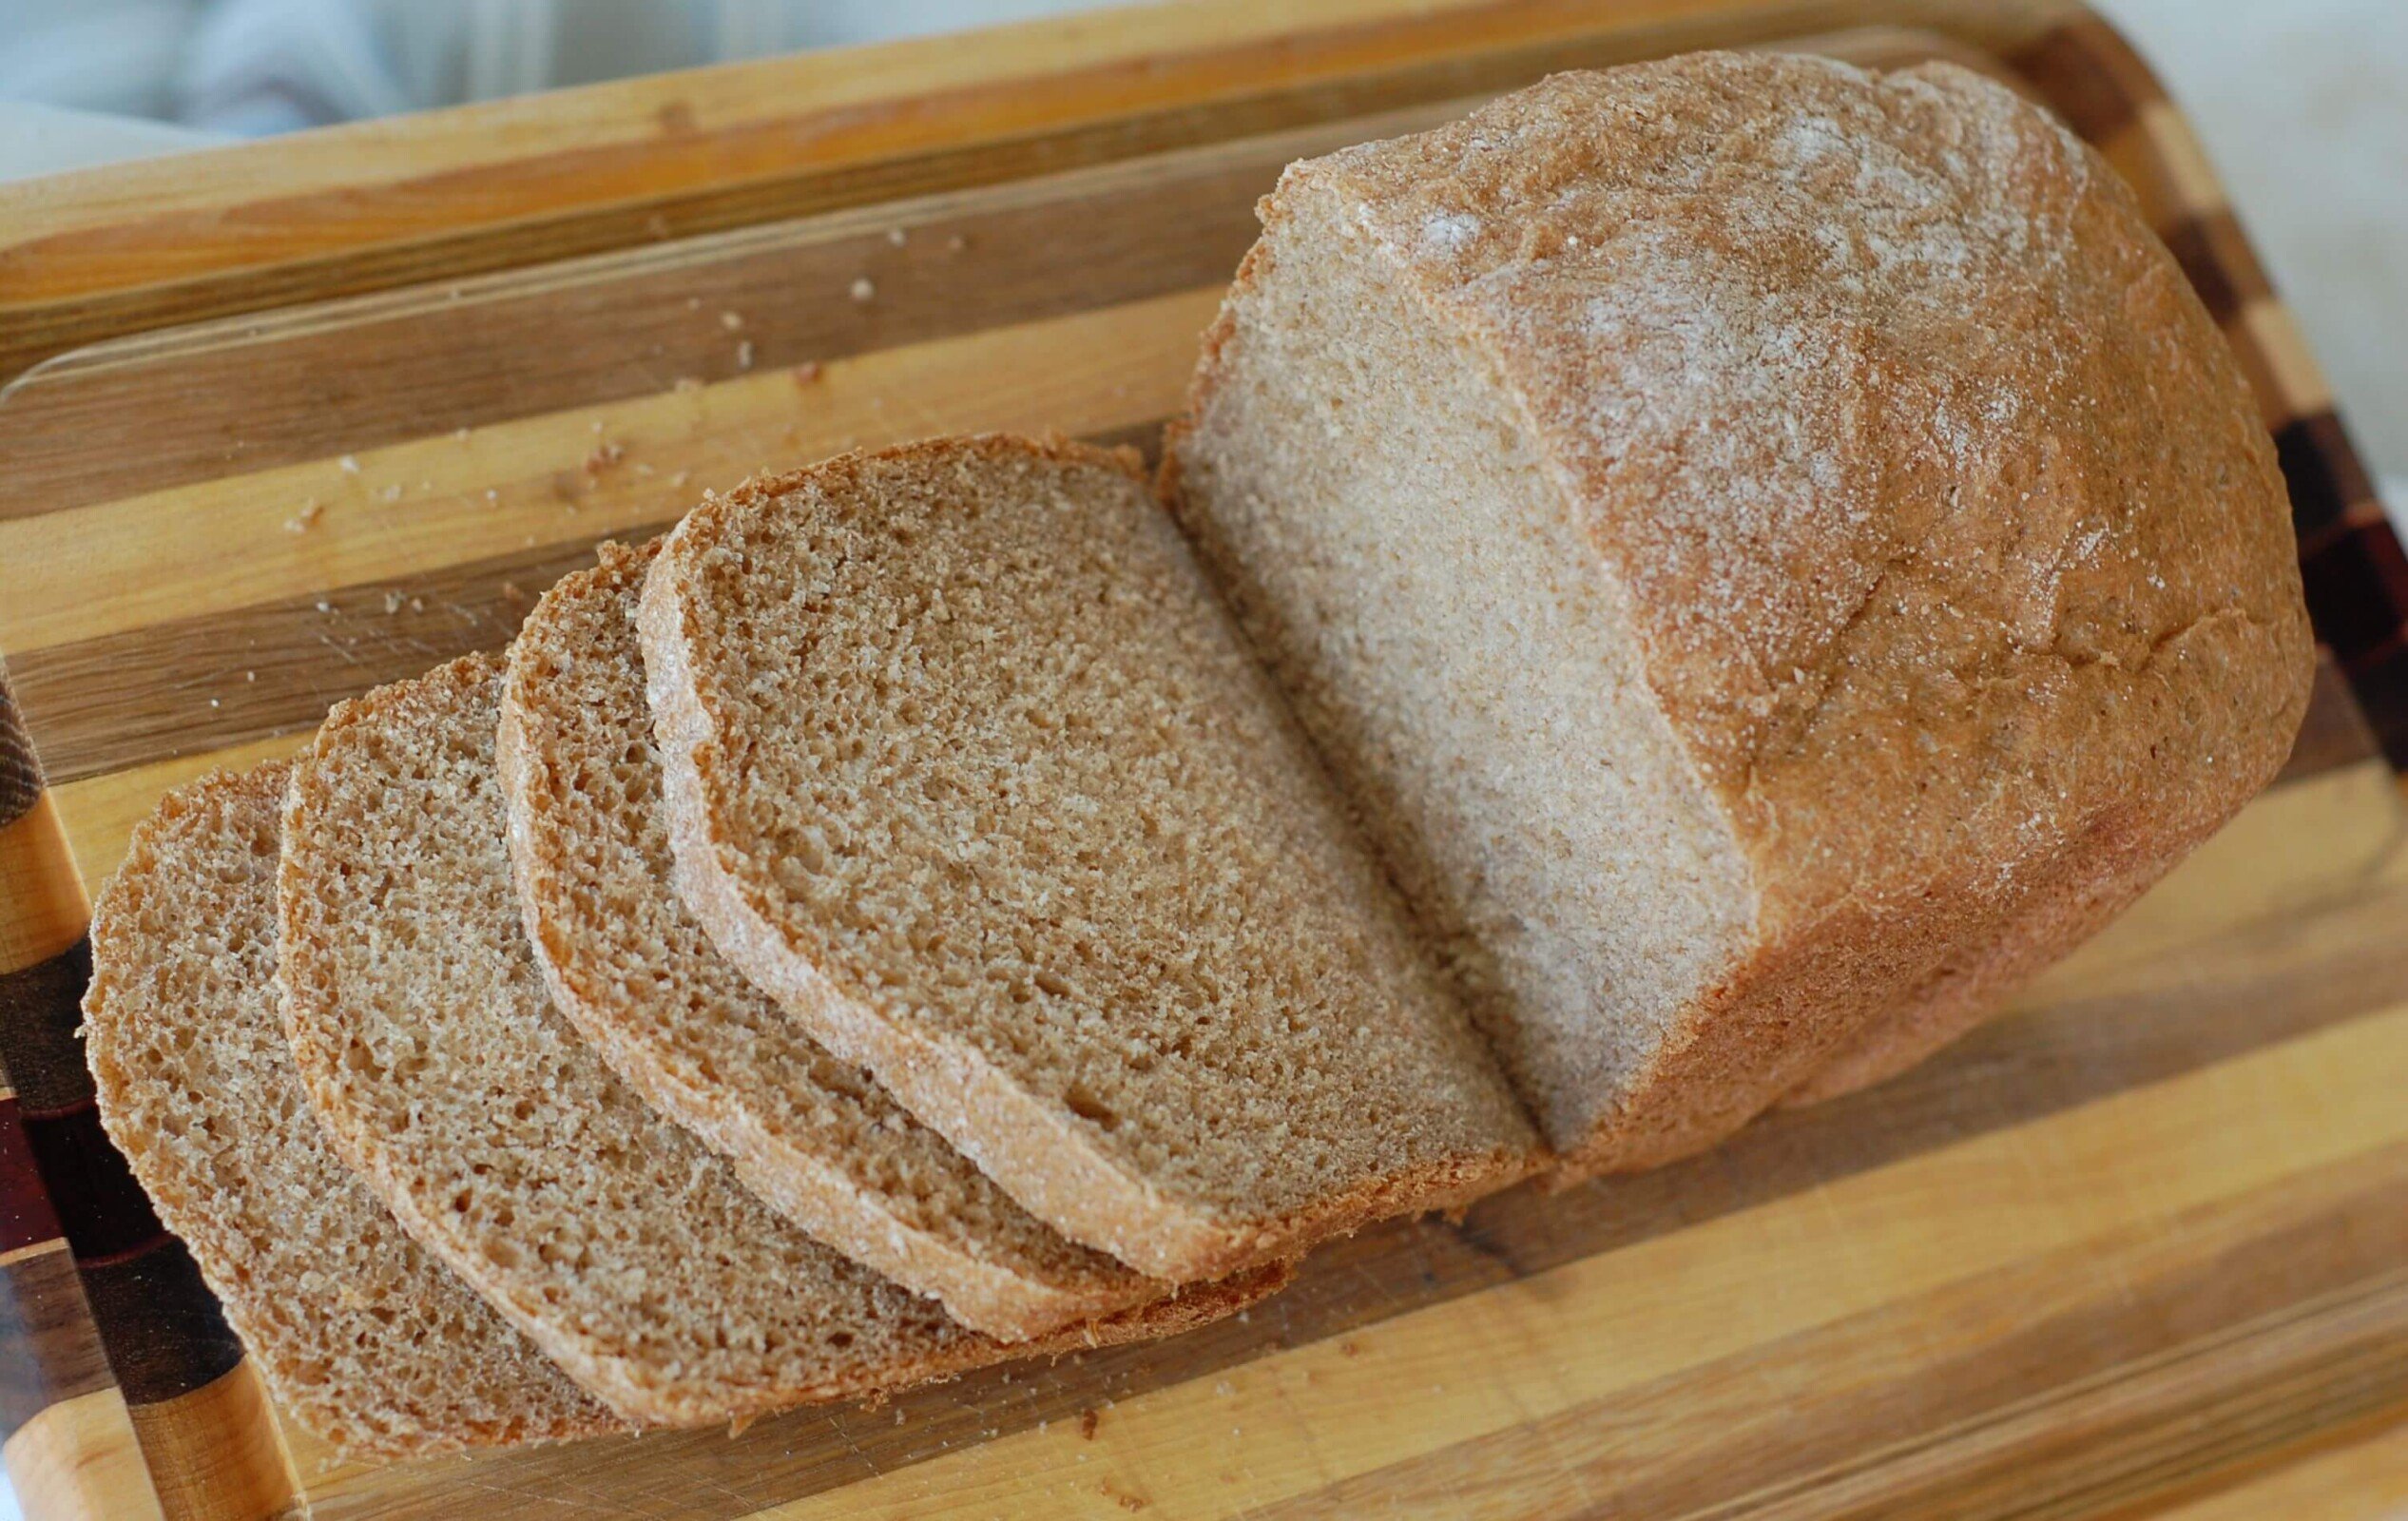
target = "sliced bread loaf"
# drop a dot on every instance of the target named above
(964, 765)
(424, 1037)
(814, 1136)
(1779, 553)
(362, 1333)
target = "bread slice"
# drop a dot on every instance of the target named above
(610, 1237)
(814, 1136)
(1779, 553)
(362, 1336)
(964, 767)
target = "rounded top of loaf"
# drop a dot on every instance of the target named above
(1936, 502)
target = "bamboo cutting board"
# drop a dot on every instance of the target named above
(2150, 1228)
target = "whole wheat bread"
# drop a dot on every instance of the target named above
(615, 1241)
(814, 1136)
(965, 766)
(362, 1336)
(1777, 552)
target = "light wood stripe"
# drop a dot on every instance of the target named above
(2329, 839)
(2182, 163)
(224, 544)
(78, 1461)
(1539, 1347)
(47, 909)
(214, 1453)
(25, 1253)
(2363, 1479)
(2275, 343)
(2162, 160)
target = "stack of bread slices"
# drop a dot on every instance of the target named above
(1678, 608)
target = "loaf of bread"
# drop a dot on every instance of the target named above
(815, 1137)
(1777, 553)
(361, 1335)
(964, 765)
(424, 1038)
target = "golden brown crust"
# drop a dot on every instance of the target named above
(1958, 557)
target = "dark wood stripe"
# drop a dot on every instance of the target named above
(26, 1216)
(2356, 586)
(163, 1331)
(2380, 679)
(2355, 517)
(111, 432)
(49, 1350)
(2088, 76)
(2215, 256)
(2247, 991)
(40, 1007)
(2335, 732)
(107, 1216)
(2322, 471)
(198, 685)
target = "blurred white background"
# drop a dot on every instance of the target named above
(2304, 105)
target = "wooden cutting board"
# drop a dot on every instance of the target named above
(2149, 1229)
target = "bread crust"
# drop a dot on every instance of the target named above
(1032, 1145)
(1959, 560)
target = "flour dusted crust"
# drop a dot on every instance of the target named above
(362, 1333)
(1868, 414)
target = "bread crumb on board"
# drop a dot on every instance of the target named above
(305, 516)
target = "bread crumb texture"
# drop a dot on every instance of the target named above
(363, 1336)
(421, 1028)
(966, 765)
(815, 1136)
(1777, 552)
